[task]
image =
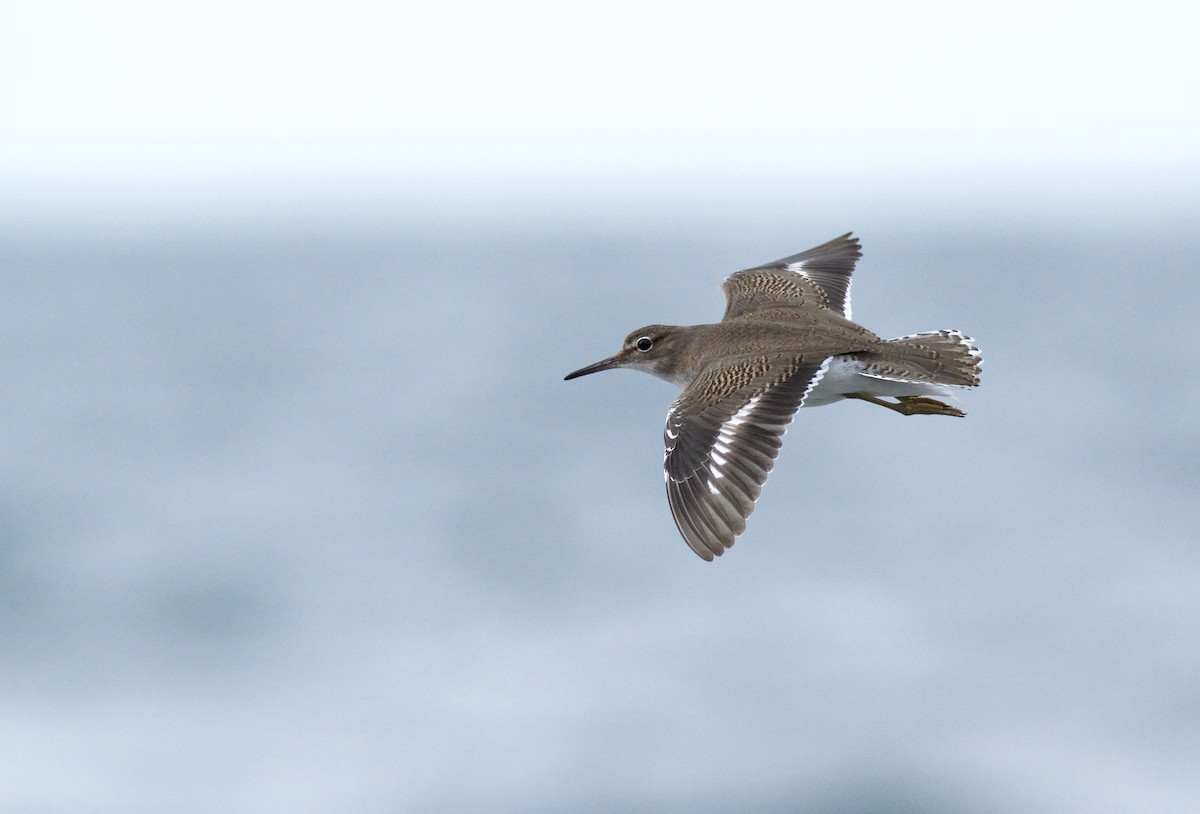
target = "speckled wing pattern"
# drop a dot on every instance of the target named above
(819, 277)
(722, 436)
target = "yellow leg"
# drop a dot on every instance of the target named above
(911, 405)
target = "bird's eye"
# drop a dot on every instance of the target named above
(644, 344)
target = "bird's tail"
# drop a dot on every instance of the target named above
(939, 357)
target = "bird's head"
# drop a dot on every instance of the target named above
(654, 349)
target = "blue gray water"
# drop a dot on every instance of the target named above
(296, 514)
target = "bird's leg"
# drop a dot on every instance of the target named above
(910, 405)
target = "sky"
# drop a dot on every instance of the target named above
(142, 94)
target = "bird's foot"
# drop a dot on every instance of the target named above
(911, 405)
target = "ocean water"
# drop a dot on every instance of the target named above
(297, 514)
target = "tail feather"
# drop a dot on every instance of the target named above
(938, 357)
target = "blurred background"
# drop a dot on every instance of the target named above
(297, 514)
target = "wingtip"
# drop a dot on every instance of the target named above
(850, 239)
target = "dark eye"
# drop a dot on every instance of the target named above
(644, 344)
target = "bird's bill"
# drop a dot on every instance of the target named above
(603, 364)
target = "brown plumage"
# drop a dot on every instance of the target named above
(786, 341)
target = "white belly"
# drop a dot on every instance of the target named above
(846, 376)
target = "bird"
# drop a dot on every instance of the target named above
(785, 341)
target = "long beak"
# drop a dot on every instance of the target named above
(603, 364)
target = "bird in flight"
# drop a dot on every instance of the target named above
(786, 341)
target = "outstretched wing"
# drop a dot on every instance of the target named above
(722, 436)
(819, 277)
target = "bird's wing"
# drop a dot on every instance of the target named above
(819, 277)
(722, 436)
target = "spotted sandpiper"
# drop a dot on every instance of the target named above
(785, 342)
